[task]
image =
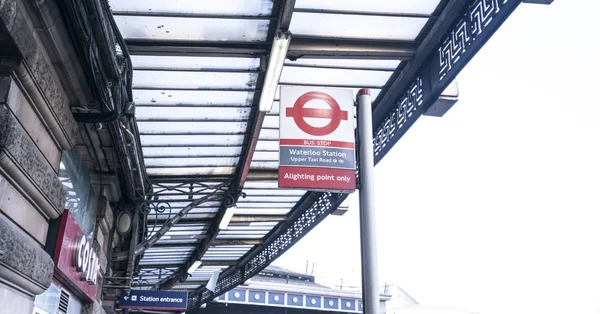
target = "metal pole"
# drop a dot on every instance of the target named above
(368, 232)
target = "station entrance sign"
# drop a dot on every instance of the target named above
(316, 139)
(154, 300)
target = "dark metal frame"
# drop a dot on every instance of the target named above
(461, 30)
(453, 34)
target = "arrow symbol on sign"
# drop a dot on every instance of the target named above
(126, 298)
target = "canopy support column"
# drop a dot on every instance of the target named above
(368, 229)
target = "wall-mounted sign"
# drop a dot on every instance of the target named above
(154, 300)
(76, 262)
(85, 260)
(316, 134)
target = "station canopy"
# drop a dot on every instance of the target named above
(199, 70)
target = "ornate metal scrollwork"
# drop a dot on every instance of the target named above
(163, 194)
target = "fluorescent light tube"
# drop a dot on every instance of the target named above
(279, 50)
(226, 218)
(194, 267)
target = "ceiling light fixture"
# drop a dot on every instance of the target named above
(279, 50)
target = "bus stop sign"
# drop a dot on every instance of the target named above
(316, 139)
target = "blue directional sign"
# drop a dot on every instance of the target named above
(154, 300)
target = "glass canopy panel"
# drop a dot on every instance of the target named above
(264, 185)
(193, 228)
(271, 199)
(374, 6)
(263, 211)
(175, 63)
(189, 216)
(271, 122)
(192, 98)
(389, 65)
(281, 192)
(164, 152)
(193, 113)
(191, 162)
(267, 146)
(223, 235)
(148, 79)
(264, 165)
(356, 26)
(160, 262)
(333, 77)
(191, 171)
(275, 109)
(243, 204)
(191, 140)
(202, 127)
(265, 156)
(222, 7)
(192, 29)
(269, 134)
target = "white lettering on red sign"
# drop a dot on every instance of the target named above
(85, 260)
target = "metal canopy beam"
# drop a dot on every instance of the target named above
(283, 9)
(300, 47)
(462, 28)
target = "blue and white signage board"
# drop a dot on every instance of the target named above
(154, 300)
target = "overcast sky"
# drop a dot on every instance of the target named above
(494, 208)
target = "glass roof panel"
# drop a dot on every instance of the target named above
(191, 171)
(279, 198)
(267, 146)
(275, 109)
(192, 29)
(222, 7)
(188, 216)
(191, 151)
(192, 80)
(347, 63)
(356, 26)
(155, 249)
(191, 140)
(191, 162)
(282, 192)
(271, 122)
(322, 76)
(264, 165)
(193, 63)
(162, 262)
(265, 156)
(192, 98)
(269, 134)
(193, 113)
(243, 204)
(235, 236)
(388, 6)
(192, 127)
(263, 211)
(262, 184)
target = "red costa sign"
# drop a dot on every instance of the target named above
(76, 262)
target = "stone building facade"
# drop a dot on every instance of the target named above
(44, 170)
